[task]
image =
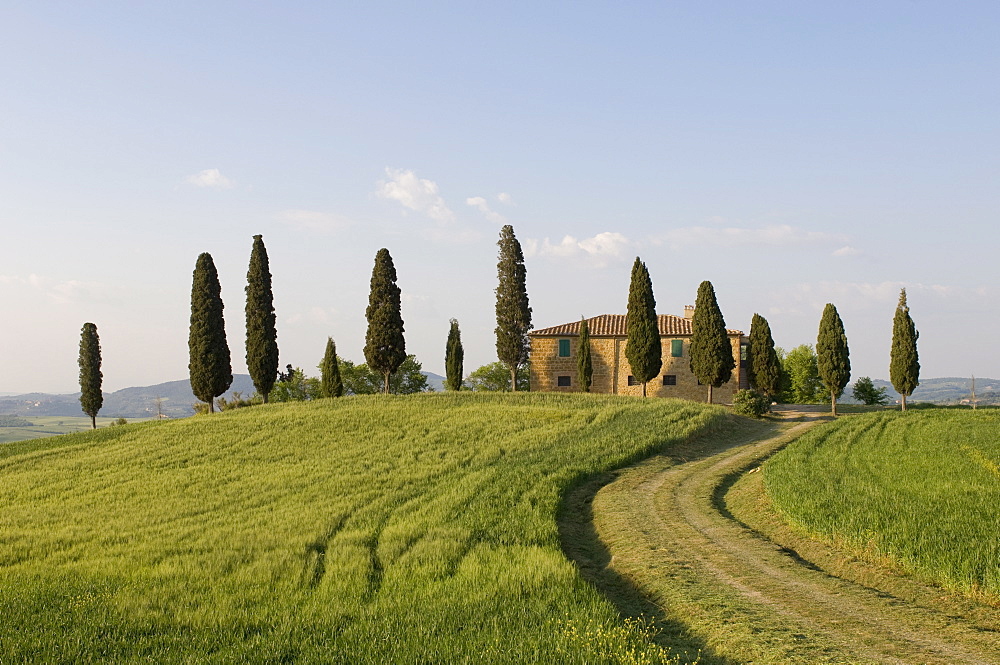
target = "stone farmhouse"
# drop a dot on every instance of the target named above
(554, 359)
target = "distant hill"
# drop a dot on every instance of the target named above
(945, 390)
(139, 402)
(435, 381)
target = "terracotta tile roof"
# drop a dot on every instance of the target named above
(613, 325)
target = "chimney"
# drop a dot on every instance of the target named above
(689, 312)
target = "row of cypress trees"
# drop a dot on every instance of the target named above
(210, 366)
(711, 354)
(833, 355)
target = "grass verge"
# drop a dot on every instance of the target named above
(917, 491)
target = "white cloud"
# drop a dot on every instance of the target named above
(601, 249)
(211, 178)
(415, 193)
(312, 220)
(813, 296)
(847, 250)
(781, 235)
(63, 292)
(419, 306)
(480, 203)
(504, 197)
(313, 315)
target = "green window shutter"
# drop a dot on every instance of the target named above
(564, 348)
(676, 348)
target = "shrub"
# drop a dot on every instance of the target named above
(238, 401)
(866, 392)
(750, 403)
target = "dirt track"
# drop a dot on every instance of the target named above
(664, 542)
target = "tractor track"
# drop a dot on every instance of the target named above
(662, 542)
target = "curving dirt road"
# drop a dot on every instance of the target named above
(669, 538)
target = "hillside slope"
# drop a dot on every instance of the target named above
(367, 529)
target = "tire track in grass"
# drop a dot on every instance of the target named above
(703, 576)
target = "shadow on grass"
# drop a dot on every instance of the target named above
(583, 546)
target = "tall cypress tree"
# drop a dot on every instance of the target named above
(331, 384)
(91, 397)
(833, 358)
(513, 312)
(210, 366)
(385, 348)
(904, 365)
(712, 358)
(454, 358)
(764, 368)
(584, 363)
(642, 330)
(262, 337)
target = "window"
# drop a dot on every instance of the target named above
(563, 381)
(632, 381)
(670, 379)
(564, 348)
(676, 348)
(743, 352)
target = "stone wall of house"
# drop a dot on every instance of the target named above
(547, 366)
(611, 370)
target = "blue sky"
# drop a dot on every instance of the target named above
(792, 153)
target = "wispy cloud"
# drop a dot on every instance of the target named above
(315, 314)
(505, 198)
(813, 296)
(480, 204)
(600, 249)
(847, 250)
(779, 235)
(62, 292)
(211, 178)
(413, 193)
(312, 220)
(418, 305)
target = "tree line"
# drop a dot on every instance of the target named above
(799, 376)
(805, 375)
(210, 368)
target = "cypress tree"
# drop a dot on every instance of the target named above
(331, 385)
(584, 363)
(904, 366)
(712, 358)
(262, 338)
(513, 312)
(764, 368)
(91, 397)
(833, 358)
(210, 367)
(642, 348)
(454, 357)
(385, 348)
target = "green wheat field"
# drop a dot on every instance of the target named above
(370, 529)
(918, 490)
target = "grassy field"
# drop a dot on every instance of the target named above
(36, 427)
(360, 530)
(917, 491)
